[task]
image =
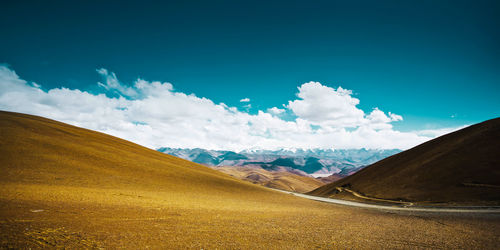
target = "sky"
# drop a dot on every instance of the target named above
(243, 74)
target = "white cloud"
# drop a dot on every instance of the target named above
(112, 84)
(377, 119)
(154, 115)
(395, 117)
(327, 106)
(275, 110)
(245, 100)
(336, 108)
(437, 132)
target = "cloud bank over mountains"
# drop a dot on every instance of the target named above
(153, 114)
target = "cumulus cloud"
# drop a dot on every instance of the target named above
(336, 108)
(245, 100)
(327, 106)
(153, 114)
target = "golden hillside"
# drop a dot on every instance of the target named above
(63, 186)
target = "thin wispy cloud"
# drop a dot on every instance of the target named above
(275, 111)
(153, 114)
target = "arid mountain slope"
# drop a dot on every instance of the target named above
(67, 187)
(460, 167)
(37, 151)
(280, 179)
(330, 178)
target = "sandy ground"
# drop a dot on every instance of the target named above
(87, 225)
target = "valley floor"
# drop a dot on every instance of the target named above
(295, 223)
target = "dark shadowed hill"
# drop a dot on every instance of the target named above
(460, 167)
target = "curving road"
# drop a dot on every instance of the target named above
(398, 208)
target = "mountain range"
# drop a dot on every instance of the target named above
(315, 162)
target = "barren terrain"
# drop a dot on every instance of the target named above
(63, 186)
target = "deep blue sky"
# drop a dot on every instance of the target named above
(425, 60)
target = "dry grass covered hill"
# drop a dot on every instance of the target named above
(462, 167)
(63, 186)
(279, 179)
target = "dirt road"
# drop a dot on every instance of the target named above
(399, 207)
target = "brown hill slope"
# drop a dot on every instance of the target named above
(280, 179)
(460, 167)
(331, 178)
(63, 186)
